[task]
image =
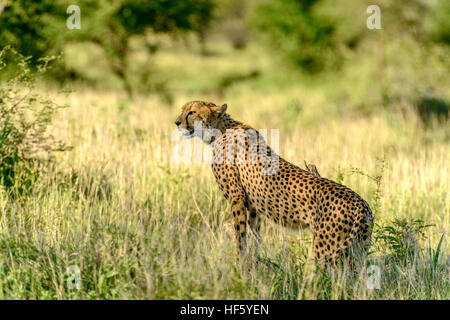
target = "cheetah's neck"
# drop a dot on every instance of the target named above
(227, 123)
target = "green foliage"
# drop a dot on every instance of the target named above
(31, 27)
(400, 239)
(39, 28)
(436, 253)
(292, 28)
(24, 119)
(232, 22)
(430, 108)
(164, 16)
(425, 21)
(437, 22)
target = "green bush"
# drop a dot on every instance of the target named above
(25, 144)
(296, 31)
(437, 22)
(39, 28)
(400, 239)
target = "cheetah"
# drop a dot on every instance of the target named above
(258, 182)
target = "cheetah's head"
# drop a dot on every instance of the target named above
(199, 117)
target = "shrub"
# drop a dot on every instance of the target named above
(295, 30)
(25, 144)
(400, 239)
(437, 22)
(429, 108)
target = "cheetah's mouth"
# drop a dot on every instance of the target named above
(186, 133)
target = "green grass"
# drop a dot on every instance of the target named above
(139, 226)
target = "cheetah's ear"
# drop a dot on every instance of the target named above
(222, 110)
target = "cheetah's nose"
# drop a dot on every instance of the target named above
(177, 123)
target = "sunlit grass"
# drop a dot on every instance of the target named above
(140, 226)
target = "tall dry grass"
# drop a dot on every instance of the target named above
(140, 226)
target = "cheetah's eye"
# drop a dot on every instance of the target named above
(189, 113)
